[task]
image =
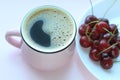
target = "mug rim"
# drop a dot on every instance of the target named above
(51, 6)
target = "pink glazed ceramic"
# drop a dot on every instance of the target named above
(35, 57)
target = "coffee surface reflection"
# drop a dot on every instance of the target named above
(38, 35)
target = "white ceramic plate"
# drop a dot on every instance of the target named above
(114, 17)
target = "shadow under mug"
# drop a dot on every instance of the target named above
(38, 59)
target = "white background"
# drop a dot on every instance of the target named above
(11, 65)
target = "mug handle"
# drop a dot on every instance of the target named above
(10, 37)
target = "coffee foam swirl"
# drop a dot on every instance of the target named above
(58, 25)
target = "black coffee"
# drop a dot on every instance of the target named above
(49, 29)
(38, 35)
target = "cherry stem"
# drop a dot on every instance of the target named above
(107, 48)
(94, 22)
(114, 30)
(88, 36)
(97, 21)
(112, 34)
(109, 8)
(108, 31)
(86, 32)
(92, 7)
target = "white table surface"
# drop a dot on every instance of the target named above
(12, 67)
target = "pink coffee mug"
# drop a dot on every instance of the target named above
(40, 57)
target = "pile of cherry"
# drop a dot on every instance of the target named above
(102, 39)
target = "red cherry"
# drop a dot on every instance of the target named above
(83, 28)
(106, 61)
(104, 20)
(115, 52)
(95, 44)
(95, 35)
(103, 45)
(100, 27)
(106, 36)
(94, 55)
(104, 56)
(113, 40)
(113, 28)
(101, 36)
(84, 42)
(89, 19)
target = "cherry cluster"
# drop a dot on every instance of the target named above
(102, 39)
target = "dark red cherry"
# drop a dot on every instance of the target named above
(101, 36)
(106, 61)
(106, 36)
(115, 52)
(95, 35)
(95, 44)
(84, 42)
(89, 19)
(113, 28)
(83, 28)
(104, 45)
(113, 40)
(101, 26)
(94, 55)
(104, 56)
(104, 20)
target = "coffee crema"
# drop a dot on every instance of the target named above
(49, 29)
